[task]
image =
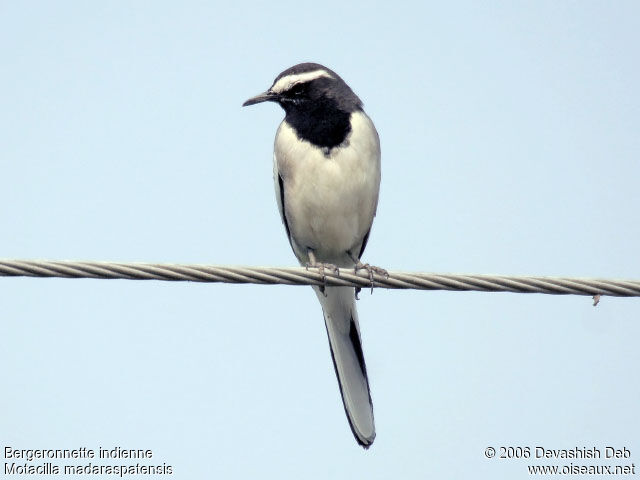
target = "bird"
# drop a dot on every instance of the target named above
(326, 170)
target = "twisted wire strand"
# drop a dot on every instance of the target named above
(312, 276)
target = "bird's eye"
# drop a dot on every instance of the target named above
(297, 90)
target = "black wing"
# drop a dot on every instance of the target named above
(364, 243)
(284, 213)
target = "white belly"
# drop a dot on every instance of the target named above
(330, 201)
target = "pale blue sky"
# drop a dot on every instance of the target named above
(510, 138)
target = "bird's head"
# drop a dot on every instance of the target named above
(309, 86)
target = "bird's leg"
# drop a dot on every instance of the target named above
(321, 267)
(371, 269)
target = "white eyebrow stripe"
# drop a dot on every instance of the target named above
(285, 83)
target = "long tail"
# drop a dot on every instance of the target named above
(341, 320)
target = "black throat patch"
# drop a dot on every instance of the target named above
(320, 123)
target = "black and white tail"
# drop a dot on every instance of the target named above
(341, 320)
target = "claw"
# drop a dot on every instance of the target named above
(321, 268)
(371, 269)
(313, 263)
(326, 266)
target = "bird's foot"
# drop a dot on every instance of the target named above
(322, 267)
(371, 269)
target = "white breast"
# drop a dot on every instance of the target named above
(330, 200)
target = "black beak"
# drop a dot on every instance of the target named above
(267, 96)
